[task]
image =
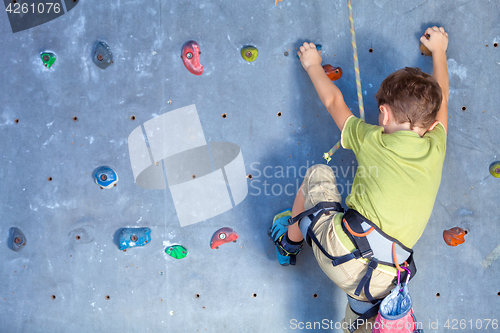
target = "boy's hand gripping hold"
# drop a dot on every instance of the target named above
(309, 56)
(435, 39)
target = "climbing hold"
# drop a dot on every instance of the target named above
(334, 73)
(249, 53)
(425, 51)
(495, 169)
(48, 59)
(318, 48)
(16, 239)
(191, 57)
(105, 177)
(177, 251)
(454, 236)
(222, 236)
(132, 237)
(102, 55)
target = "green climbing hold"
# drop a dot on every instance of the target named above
(48, 59)
(177, 251)
(249, 53)
(495, 169)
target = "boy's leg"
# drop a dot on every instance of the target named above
(319, 185)
(351, 316)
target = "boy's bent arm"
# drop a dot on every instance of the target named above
(328, 92)
(437, 44)
(330, 95)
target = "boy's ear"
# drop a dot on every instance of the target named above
(433, 125)
(385, 114)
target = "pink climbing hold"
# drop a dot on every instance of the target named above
(191, 57)
(222, 236)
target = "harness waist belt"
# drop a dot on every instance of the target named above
(379, 243)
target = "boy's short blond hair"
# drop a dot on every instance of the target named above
(412, 95)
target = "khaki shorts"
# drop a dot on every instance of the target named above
(320, 185)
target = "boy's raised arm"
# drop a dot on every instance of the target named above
(328, 92)
(437, 44)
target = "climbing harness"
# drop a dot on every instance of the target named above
(371, 243)
(327, 156)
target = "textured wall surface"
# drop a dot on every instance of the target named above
(239, 287)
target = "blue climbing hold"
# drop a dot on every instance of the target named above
(105, 177)
(132, 237)
(318, 47)
(102, 55)
(17, 239)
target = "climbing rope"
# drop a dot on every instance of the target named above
(327, 156)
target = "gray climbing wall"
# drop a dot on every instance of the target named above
(239, 287)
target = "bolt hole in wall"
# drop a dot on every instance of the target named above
(197, 295)
(16, 121)
(107, 297)
(78, 237)
(49, 179)
(498, 293)
(75, 118)
(464, 108)
(132, 118)
(224, 115)
(370, 50)
(250, 176)
(438, 294)
(315, 295)
(53, 296)
(279, 114)
(495, 44)
(254, 295)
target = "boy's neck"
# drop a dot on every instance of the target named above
(393, 127)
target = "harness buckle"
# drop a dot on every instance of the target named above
(368, 254)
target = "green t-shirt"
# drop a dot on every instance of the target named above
(397, 179)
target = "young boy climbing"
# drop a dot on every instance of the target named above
(391, 200)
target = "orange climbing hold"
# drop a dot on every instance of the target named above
(425, 51)
(276, 2)
(454, 236)
(333, 73)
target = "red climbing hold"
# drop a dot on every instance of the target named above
(454, 236)
(222, 236)
(191, 57)
(334, 73)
